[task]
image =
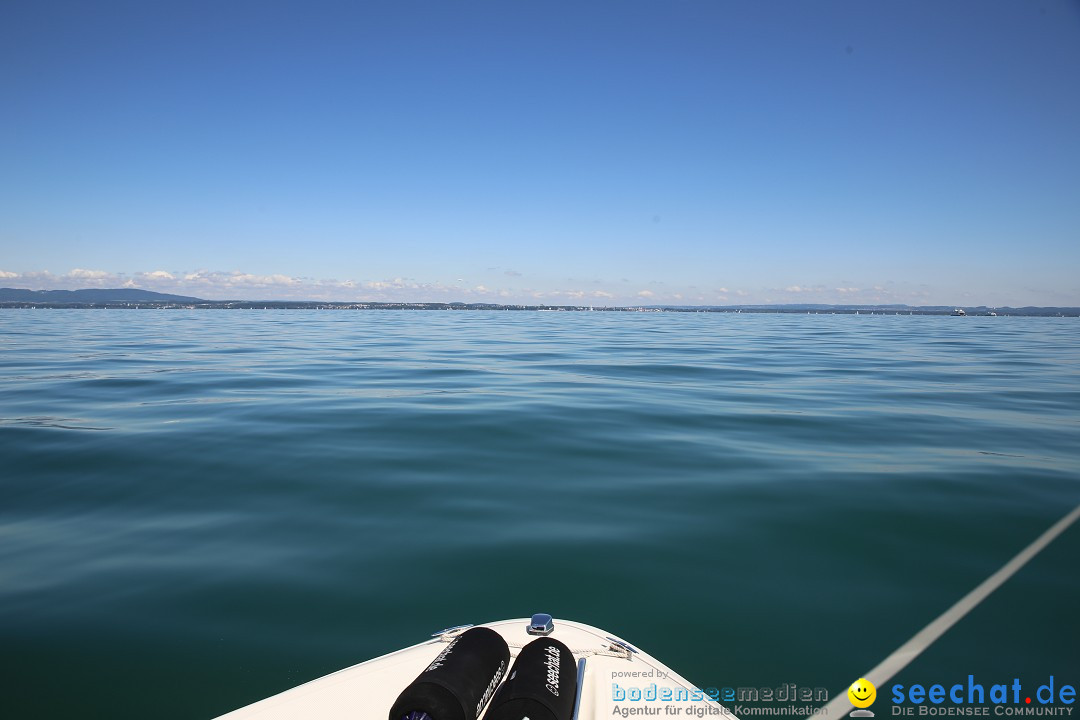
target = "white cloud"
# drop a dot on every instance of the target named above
(81, 274)
(238, 285)
(238, 279)
(91, 278)
(396, 284)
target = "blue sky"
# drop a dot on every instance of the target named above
(676, 151)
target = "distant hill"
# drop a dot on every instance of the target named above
(89, 296)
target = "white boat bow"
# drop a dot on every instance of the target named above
(607, 666)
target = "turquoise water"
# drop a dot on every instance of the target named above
(201, 508)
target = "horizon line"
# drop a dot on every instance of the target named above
(175, 299)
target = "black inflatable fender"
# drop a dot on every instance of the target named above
(460, 681)
(542, 684)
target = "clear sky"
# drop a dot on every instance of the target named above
(666, 151)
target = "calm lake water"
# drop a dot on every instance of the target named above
(202, 508)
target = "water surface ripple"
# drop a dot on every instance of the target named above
(203, 508)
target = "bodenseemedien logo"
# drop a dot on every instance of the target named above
(862, 695)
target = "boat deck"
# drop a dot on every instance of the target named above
(368, 690)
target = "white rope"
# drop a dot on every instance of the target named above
(910, 650)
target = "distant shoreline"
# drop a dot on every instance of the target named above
(737, 309)
(138, 299)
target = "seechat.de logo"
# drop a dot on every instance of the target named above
(973, 698)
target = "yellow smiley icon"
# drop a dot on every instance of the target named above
(862, 693)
